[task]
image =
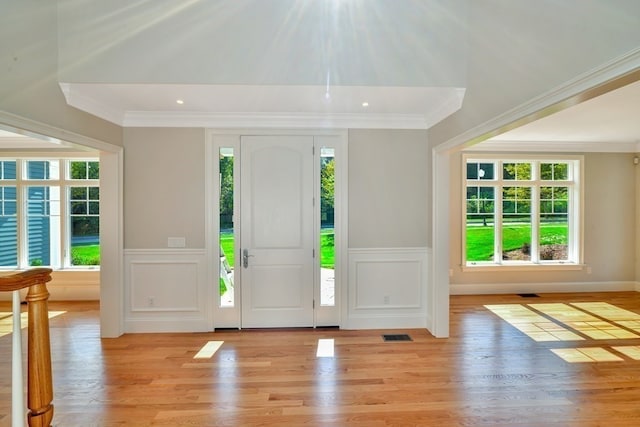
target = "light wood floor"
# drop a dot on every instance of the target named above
(489, 373)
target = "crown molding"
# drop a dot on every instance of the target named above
(88, 104)
(555, 147)
(615, 73)
(270, 120)
(51, 133)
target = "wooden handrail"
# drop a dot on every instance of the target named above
(39, 379)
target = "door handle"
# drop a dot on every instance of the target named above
(245, 258)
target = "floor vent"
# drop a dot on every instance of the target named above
(529, 295)
(398, 337)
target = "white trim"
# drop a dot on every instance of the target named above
(218, 316)
(111, 244)
(542, 287)
(275, 120)
(216, 138)
(554, 147)
(48, 132)
(537, 107)
(85, 103)
(164, 252)
(575, 214)
(524, 266)
(438, 286)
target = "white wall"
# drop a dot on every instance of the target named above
(29, 73)
(609, 241)
(389, 233)
(389, 191)
(164, 187)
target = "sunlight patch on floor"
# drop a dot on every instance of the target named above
(586, 354)
(584, 323)
(6, 320)
(532, 324)
(325, 348)
(631, 351)
(208, 350)
(622, 317)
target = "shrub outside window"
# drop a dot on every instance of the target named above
(521, 211)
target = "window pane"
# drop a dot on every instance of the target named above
(480, 229)
(516, 171)
(8, 169)
(554, 224)
(480, 171)
(327, 223)
(8, 227)
(78, 170)
(85, 225)
(94, 170)
(43, 169)
(516, 223)
(554, 171)
(78, 208)
(84, 170)
(43, 225)
(226, 224)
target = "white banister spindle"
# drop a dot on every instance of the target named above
(17, 382)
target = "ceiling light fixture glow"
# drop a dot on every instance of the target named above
(365, 104)
(179, 101)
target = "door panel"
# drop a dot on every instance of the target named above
(277, 186)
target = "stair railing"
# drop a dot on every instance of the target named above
(39, 378)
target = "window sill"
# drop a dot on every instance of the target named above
(569, 266)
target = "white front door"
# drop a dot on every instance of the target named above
(277, 231)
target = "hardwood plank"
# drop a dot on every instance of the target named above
(489, 373)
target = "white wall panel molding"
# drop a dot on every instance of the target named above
(543, 287)
(387, 288)
(165, 290)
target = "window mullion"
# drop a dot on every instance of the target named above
(21, 214)
(497, 253)
(535, 223)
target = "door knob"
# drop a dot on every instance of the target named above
(245, 258)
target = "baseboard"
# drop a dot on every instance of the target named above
(551, 287)
(174, 325)
(394, 321)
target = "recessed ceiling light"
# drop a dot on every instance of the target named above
(179, 101)
(365, 104)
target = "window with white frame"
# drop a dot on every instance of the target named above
(521, 210)
(49, 213)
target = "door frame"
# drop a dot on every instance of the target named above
(230, 317)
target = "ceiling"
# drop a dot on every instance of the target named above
(605, 121)
(328, 106)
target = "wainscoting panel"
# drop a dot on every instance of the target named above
(387, 288)
(166, 291)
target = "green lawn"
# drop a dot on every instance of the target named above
(480, 238)
(327, 249)
(85, 255)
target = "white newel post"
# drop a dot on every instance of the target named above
(17, 382)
